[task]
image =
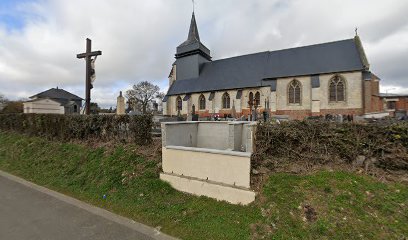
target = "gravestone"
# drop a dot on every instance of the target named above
(234, 111)
(120, 109)
(194, 116)
(254, 115)
(266, 110)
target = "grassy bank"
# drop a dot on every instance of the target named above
(325, 205)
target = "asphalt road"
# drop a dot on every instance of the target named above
(27, 213)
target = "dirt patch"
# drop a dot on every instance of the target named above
(310, 213)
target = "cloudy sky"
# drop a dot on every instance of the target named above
(39, 39)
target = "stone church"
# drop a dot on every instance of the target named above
(327, 78)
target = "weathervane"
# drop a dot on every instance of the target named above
(193, 5)
(356, 31)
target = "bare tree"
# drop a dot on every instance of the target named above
(3, 98)
(142, 93)
(160, 95)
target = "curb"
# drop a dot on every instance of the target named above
(144, 229)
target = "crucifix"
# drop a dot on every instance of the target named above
(90, 72)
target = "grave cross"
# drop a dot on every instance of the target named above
(89, 72)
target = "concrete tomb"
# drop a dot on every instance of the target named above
(210, 159)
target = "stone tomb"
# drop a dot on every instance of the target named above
(209, 159)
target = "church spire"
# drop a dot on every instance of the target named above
(193, 33)
(193, 44)
(193, 36)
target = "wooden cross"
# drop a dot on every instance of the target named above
(88, 85)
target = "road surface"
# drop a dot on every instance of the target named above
(31, 212)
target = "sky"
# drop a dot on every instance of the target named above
(39, 39)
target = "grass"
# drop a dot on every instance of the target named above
(324, 205)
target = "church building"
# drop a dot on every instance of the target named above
(328, 78)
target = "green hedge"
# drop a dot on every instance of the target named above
(81, 127)
(327, 142)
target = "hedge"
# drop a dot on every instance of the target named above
(327, 142)
(135, 129)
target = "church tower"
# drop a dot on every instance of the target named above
(191, 54)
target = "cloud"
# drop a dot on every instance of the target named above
(138, 38)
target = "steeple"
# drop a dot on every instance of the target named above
(193, 35)
(193, 44)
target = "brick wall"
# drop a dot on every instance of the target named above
(402, 103)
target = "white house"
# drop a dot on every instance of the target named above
(54, 101)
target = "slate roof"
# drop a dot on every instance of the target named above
(57, 94)
(392, 95)
(255, 69)
(193, 35)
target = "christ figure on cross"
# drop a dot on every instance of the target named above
(90, 72)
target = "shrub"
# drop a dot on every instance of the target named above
(326, 142)
(81, 127)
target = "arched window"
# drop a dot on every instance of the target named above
(179, 103)
(251, 99)
(257, 99)
(226, 101)
(201, 101)
(337, 89)
(294, 92)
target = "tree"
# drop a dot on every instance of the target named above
(94, 108)
(160, 95)
(142, 94)
(3, 99)
(14, 107)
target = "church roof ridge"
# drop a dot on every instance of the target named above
(283, 49)
(313, 45)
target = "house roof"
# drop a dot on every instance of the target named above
(254, 70)
(392, 95)
(57, 94)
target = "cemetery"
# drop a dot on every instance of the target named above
(239, 173)
(267, 180)
(296, 143)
